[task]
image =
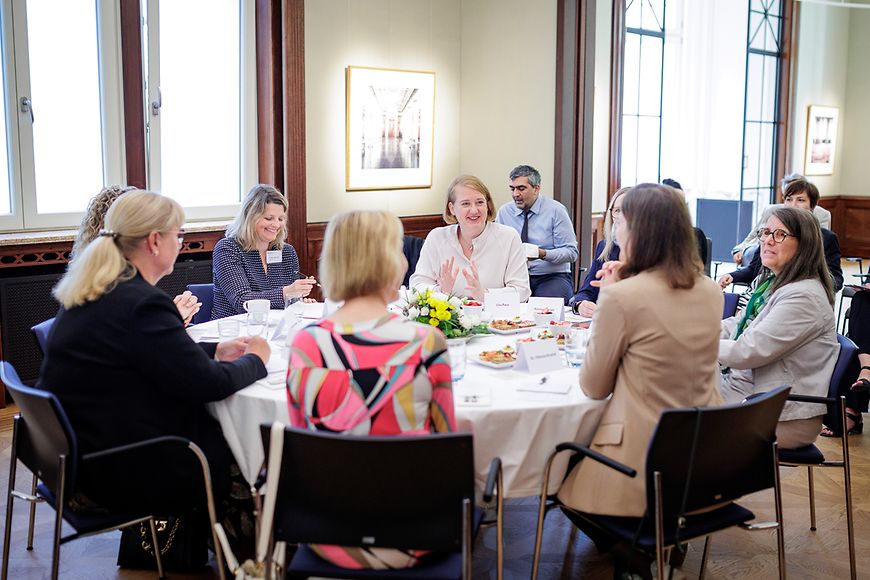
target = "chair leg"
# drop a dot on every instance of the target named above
(7, 533)
(777, 499)
(660, 527)
(60, 494)
(156, 545)
(812, 491)
(499, 530)
(847, 468)
(32, 513)
(704, 556)
(539, 532)
(840, 310)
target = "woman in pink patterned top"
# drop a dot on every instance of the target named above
(364, 370)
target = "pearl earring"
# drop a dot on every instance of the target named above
(155, 252)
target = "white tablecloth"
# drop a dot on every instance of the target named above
(520, 427)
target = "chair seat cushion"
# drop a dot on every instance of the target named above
(809, 455)
(626, 529)
(87, 521)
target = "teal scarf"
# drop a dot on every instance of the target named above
(756, 303)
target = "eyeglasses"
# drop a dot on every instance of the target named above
(779, 236)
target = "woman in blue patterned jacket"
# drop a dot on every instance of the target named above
(253, 261)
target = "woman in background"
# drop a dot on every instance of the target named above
(474, 253)
(253, 261)
(607, 250)
(786, 335)
(364, 370)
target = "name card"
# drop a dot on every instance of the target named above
(538, 356)
(502, 303)
(557, 305)
(274, 256)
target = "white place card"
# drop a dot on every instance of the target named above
(557, 305)
(502, 302)
(538, 356)
(544, 385)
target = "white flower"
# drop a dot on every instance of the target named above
(413, 312)
(466, 322)
(455, 302)
(439, 296)
(424, 311)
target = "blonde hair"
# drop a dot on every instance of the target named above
(362, 254)
(470, 182)
(92, 222)
(244, 227)
(608, 226)
(103, 263)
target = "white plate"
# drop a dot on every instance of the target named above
(512, 331)
(492, 365)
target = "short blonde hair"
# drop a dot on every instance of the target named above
(362, 254)
(244, 227)
(104, 262)
(470, 182)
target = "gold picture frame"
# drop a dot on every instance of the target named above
(390, 128)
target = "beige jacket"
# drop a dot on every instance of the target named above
(653, 348)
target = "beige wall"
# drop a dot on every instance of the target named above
(855, 118)
(823, 49)
(402, 34)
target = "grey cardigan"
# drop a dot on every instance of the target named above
(792, 341)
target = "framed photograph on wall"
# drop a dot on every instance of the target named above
(390, 128)
(821, 140)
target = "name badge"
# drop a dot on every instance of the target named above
(502, 303)
(539, 356)
(273, 256)
(557, 305)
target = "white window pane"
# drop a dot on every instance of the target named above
(5, 185)
(752, 153)
(628, 155)
(630, 74)
(650, 75)
(769, 88)
(200, 86)
(648, 150)
(765, 165)
(632, 13)
(754, 87)
(65, 91)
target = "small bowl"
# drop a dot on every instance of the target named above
(473, 311)
(542, 319)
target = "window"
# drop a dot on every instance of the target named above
(63, 106)
(642, 91)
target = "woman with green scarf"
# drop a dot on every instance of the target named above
(786, 335)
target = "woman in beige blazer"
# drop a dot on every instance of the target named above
(655, 336)
(786, 335)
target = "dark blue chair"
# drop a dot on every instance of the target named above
(411, 246)
(730, 307)
(41, 332)
(204, 293)
(43, 440)
(696, 460)
(811, 456)
(414, 492)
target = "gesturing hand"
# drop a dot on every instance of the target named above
(447, 276)
(608, 274)
(472, 279)
(299, 288)
(187, 305)
(725, 281)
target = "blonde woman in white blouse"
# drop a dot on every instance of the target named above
(474, 253)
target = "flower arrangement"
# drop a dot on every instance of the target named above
(440, 310)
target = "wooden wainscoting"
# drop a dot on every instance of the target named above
(850, 219)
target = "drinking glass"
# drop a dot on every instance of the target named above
(256, 323)
(575, 347)
(228, 328)
(456, 352)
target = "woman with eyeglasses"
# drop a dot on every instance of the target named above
(253, 261)
(607, 250)
(786, 335)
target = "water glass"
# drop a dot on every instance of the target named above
(228, 328)
(575, 347)
(457, 354)
(257, 322)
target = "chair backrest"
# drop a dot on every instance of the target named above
(709, 261)
(399, 492)
(845, 367)
(41, 331)
(411, 246)
(730, 307)
(204, 293)
(712, 455)
(44, 432)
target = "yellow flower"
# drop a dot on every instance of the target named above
(433, 321)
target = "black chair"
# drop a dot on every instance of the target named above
(43, 440)
(709, 257)
(811, 456)
(405, 492)
(204, 293)
(729, 309)
(696, 460)
(41, 331)
(411, 246)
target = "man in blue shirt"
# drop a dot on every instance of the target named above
(546, 231)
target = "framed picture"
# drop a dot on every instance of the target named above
(821, 140)
(390, 128)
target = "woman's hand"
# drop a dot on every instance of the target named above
(299, 288)
(447, 276)
(738, 257)
(230, 350)
(258, 346)
(586, 308)
(608, 274)
(473, 285)
(187, 305)
(725, 281)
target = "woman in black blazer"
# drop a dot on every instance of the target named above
(124, 369)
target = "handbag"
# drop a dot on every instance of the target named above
(183, 546)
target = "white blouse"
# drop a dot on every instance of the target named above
(497, 253)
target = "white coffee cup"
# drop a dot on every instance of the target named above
(530, 250)
(256, 305)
